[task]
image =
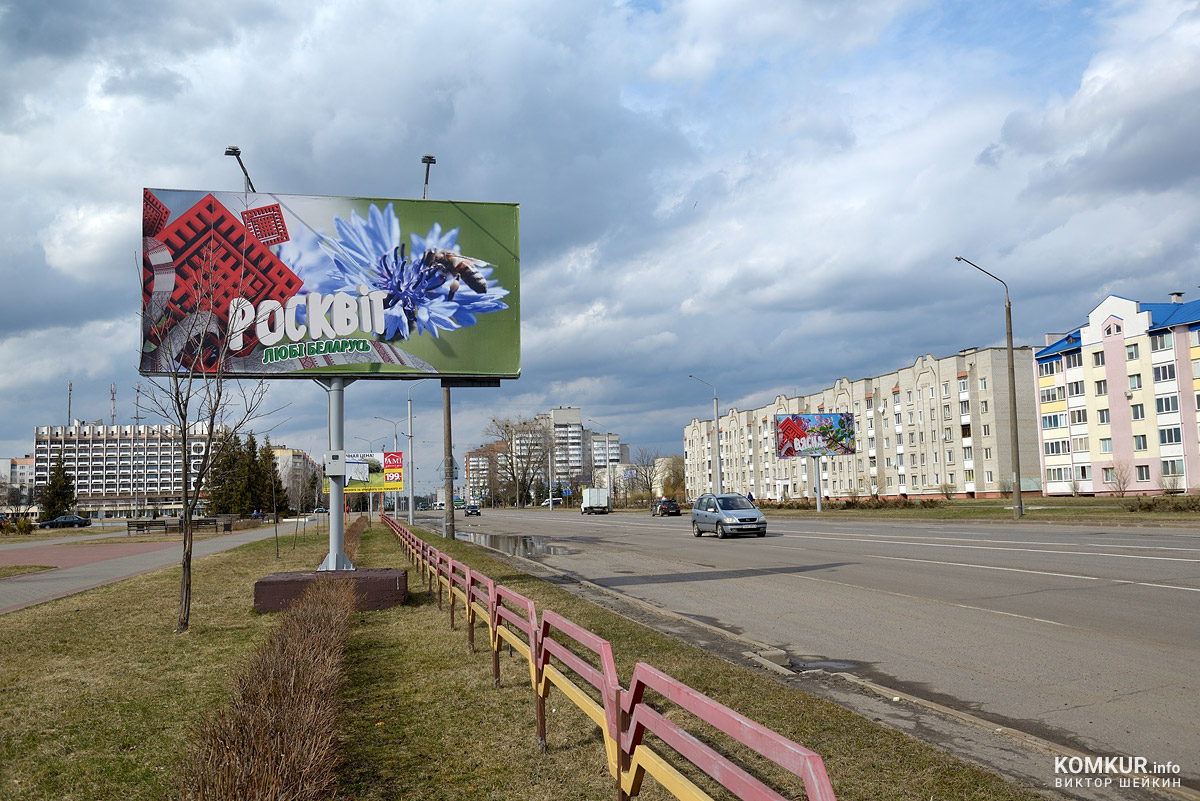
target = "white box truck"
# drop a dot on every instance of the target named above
(595, 501)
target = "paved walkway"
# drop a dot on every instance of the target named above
(81, 566)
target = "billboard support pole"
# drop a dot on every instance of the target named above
(817, 478)
(447, 462)
(336, 559)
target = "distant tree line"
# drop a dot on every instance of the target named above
(243, 479)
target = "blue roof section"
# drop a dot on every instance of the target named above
(1068, 343)
(1165, 315)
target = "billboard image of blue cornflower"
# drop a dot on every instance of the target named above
(430, 288)
(272, 285)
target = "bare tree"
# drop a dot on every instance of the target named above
(645, 471)
(1122, 475)
(527, 445)
(186, 356)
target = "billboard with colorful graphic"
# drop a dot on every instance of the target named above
(294, 286)
(364, 473)
(393, 471)
(814, 434)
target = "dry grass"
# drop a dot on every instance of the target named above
(7, 571)
(98, 697)
(278, 738)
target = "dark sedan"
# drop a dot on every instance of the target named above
(664, 508)
(66, 521)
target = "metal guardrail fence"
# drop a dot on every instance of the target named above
(566, 656)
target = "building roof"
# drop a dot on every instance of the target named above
(1166, 315)
(1068, 343)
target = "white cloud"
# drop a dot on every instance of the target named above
(90, 242)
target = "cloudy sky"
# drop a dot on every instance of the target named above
(769, 195)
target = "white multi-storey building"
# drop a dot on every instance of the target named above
(938, 427)
(1118, 400)
(121, 470)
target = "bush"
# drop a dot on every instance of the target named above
(279, 739)
(1162, 503)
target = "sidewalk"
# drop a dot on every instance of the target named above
(81, 566)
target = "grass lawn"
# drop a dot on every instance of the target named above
(98, 695)
(7, 571)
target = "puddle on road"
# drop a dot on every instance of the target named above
(527, 547)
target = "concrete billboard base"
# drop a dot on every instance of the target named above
(374, 587)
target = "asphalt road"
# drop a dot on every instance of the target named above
(1085, 636)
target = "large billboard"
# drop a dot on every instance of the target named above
(368, 472)
(295, 286)
(814, 434)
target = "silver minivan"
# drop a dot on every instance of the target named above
(727, 515)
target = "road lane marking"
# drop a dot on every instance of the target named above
(993, 548)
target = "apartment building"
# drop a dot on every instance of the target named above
(939, 426)
(482, 470)
(296, 472)
(121, 470)
(1118, 399)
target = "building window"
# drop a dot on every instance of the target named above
(910, 396)
(1101, 388)
(962, 385)
(1195, 368)
(1139, 442)
(1074, 360)
(1194, 338)
(987, 429)
(1079, 444)
(1171, 435)
(1160, 341)
(1078, 416)
(946, 389)
(968, 453)
(983, 383)
(1165, 404)
(949, 457)
(1172, 467)
(964, 407)
(987, 476)
(1135, 381)
(968, 476)
(987, 453)
(1102, 416)
(1137, 411)
(1143, 472)
(1131, 352)
(1083, 472)
(1054, 420)
(1107, 475)
(1098, 359)
(1049, 368)
(1056, 447)
(1164, 372)
(983, 407)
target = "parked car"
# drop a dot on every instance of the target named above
(472, 509)
(320, 510)
(727, 515)
(66, 521)
(664, 508)
(557, 501)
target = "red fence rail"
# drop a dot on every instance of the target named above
(566, 656)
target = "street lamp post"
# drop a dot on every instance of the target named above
(716, 472)
(1014, 442)
(371, 495)
(395, 447)
(427, 160)
(607, 460)
(236, 152)
(412, 464)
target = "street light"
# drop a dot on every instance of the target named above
(411, 460)
(1014, 443)
(395, 447)
(607, 460)
(370, 495)
(427, 160)
(716, 473)
(236, 152)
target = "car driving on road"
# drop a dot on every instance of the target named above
(727, 515)
(664, 508)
